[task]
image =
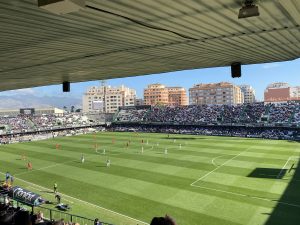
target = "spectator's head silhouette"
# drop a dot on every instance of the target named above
(163, 221)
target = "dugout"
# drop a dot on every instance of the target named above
(26, 197)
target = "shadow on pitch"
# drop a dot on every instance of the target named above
(269, 173)
(288, 213)
(49, 192)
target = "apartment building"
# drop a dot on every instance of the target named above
(158, 94)
(280, 92)
(223, 93)
(107, 99)
(248, 93)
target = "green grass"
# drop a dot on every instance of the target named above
(210, 181)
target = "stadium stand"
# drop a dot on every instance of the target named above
(235, 131)
(22, 128)
(274, 121)
(283, 113)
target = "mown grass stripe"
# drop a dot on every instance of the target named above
(156, 177)
(153, 178)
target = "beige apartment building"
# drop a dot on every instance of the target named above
(223, 93)
(158, 94)
(248, 93)
(107, 99)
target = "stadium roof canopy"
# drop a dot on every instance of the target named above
(121, 38)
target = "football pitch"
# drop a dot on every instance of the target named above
(198, 180)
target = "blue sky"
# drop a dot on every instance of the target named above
(258, 76)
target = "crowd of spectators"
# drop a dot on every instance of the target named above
(36, 127)
(230, 113)
(285, 113)
(182, 114)
(54, 121)
(42, 135)
(253, 112)
(236, 131)
(282, 113)
(296, 117)
(18, 124)
(31, 123)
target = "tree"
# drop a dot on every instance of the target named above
(72, 108)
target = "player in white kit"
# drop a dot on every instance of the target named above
(108, 163)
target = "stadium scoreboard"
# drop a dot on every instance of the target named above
(27, 111)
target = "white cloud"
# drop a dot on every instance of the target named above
(270, 65)
(24, 91)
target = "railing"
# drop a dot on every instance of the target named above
(53, 214)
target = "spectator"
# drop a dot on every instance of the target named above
(40, 217)
(163, 221)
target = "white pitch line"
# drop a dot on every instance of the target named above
(219, 166)
(57, 164)
(85, 202)
(248, 196)
(213, 160)
(279, 174)
(46, 167)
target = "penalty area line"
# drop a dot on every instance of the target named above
(85, 202)
(213, 160)
(201, 178)
(246, 196)
(279, 174)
